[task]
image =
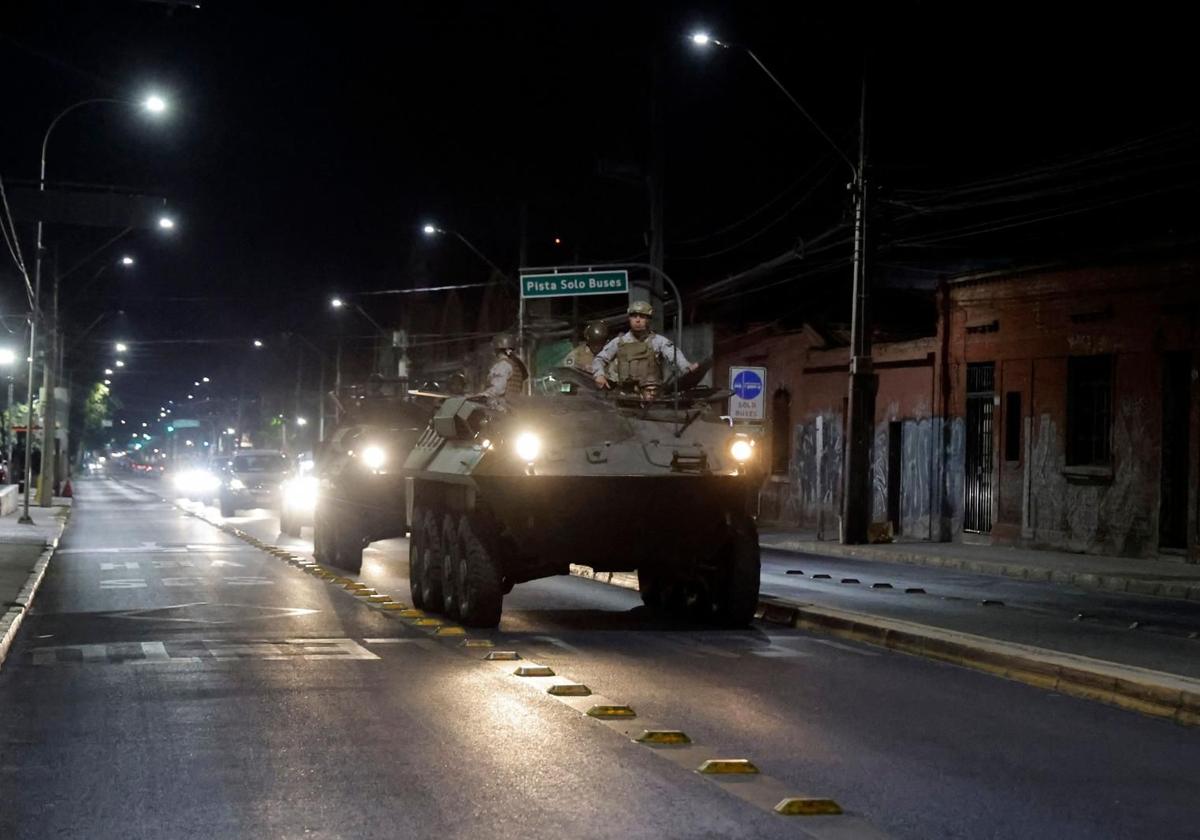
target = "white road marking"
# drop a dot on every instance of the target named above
(183, 581)
(847, 648)
(155, 652)
(143, 653)
(248, 581)
(123, 583)
(128, 564)
(172, 564)
(216, 563)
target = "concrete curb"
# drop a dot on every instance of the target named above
(1141, 690)
(1180, 590)
(10, 623)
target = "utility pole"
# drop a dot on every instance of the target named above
(655, 176)
(860, 419)
(49, 469)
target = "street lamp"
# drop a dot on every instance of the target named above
(860, 409)
(126, 260)
(119, 363)
(258, 343)
(166, 223)
(121, 347)
(337, 303)
(108, 372)
(154, 104)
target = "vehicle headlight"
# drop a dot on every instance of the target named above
(237, 484)
(742, 450)
(300, 493)
(528, 446)
(374, 457)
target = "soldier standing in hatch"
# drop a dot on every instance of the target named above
(508, 372)
(595, 336)
(639, 352)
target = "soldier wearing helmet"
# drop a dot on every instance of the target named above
(638, 353)
(508, 373)
(595, 336)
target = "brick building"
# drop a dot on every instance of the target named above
(1054, 408)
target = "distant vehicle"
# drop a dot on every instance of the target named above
(298, 496)
(620, 482)
(250, 478)
(360, 489)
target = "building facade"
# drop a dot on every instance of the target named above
(1054, 408)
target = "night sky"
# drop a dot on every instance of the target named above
(307, 143)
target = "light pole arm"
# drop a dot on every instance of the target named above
(372, 321)
(482, 256)
(801, 109)
(54, 122)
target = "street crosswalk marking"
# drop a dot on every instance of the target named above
(175, 651)
(126, 564)
(140, 583)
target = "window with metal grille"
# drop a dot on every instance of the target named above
(1089, 411)
(781, 431)
(1012, 426)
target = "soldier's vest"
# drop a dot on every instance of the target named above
(580, 357)
(637, 361)
(516, 382)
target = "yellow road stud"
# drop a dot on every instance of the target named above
(569, 690)
(611, 712)
(379, 599)
(534, 671)
(503, 656)
(364, 593)
(395, 605)
(662, 736)
(727, 766)
(807, 806)
(412, 614)
(450, 630)
(345, 581)
(481, 643)
(428, 622)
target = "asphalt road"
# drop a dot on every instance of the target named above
(173, 681)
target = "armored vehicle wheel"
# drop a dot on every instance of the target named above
(348, 543)
(287, 525)
(227, 508)
(431, 563)
(480, 583)
(320, 537)
(418, 544)
(736, 599)
(451, 551)
(650, 585)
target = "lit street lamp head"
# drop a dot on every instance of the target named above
(430, 230)
(703, 39)
(8, 356)
(258, 343)
(337, 303)
(301, 421)
(127, 260)
(166, 223)
(120, 363)
(155, 104)
(121, 347)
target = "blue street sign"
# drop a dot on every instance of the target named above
(747, 384)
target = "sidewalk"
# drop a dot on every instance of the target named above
(25, 552)
(1116, 574)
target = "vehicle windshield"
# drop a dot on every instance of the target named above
(260, 463)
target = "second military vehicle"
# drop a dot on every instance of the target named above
(359, 488)
(502, 494)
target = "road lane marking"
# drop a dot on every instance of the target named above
(223, 650)
(131, 565)
(123, 583)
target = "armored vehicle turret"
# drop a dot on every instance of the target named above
(505, 493)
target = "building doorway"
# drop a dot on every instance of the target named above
(981, 408)
(1172, 511)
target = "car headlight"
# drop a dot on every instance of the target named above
(742, 450)
(374, 457)
(300, 494)
(528, 446)
(237, 484)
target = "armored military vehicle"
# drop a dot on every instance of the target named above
(502, 494)
(360, 492)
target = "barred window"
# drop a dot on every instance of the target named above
(1089, 411)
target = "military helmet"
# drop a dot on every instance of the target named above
(640, 307)
(595, 331)
(504, 341)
